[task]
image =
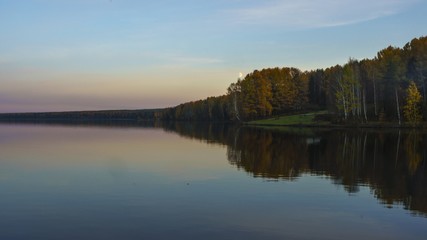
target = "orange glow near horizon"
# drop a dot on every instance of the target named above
(92, 91)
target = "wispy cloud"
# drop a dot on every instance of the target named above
(317, 13)
(195, 60)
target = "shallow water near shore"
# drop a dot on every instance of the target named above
(181, 181)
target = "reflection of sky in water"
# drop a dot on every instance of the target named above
(116, 151)
(111, 183)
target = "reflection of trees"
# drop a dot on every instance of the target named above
(271, 155)
(412, 144)
(209, 133)
(391, 163)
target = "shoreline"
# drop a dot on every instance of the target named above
(112, 121)
(343, 126)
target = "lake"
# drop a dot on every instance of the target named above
(199, 181)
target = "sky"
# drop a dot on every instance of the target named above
(64, 55)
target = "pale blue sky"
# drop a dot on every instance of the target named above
(102, 54)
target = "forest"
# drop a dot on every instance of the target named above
(389, 87)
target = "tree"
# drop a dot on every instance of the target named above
(393, 69)
(342, 96)
(348, 94)
(300, 80)
(315, 84)
(370, 70)
(283, 89)
(330, 77)
(417, 62)
(233, 94)
(412, 108)
(248, 98)
(263, 95)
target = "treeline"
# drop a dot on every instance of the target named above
(93, 116)
(374, 89)
(366, 90)
(211, 109)
(260, 94)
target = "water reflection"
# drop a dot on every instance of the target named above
(391, 162)
(180, 181)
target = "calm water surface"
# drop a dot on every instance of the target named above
(210, 182)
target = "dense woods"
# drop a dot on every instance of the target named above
(389, 87)
(358, 91)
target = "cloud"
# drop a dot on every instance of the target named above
(194, 61)
(316, 13)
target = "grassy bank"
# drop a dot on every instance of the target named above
(290, 120)
(311, 120)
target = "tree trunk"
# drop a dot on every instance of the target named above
(424, 88)
(358, 105)
(235, 107)
(360, 100)
(353, 110)
(397, 105)
(344, 107)
(375, 99)
(364, 105)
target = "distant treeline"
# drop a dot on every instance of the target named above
(389, 87)
(76, 116)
